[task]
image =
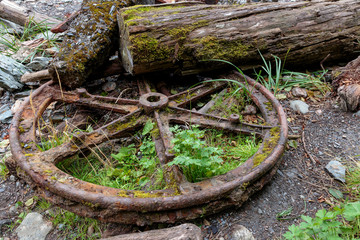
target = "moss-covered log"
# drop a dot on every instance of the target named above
(179, 38)
(89, 42)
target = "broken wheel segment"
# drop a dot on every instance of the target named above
(180, 200)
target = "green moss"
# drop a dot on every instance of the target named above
(142, 194)
(211, 47)
(269, 145)
(269, 106)
(134, 11)
(147, 49)
(123, 193)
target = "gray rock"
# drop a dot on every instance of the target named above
(11, 27)
(299, 92)
(39, 63)
(5, 114)
(357, 114)
(336, 170)
(46, 35)
(33, 227)
(7, 39)
(299, 106)
(239, 232)
(109, 86)
(10, 73)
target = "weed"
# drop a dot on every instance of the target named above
(339, 223)
(271, 82)
(74, 227)
(285, 80)
(200, 159)
(353, 181)
(31, 30)
(133, 167)
(4, 171)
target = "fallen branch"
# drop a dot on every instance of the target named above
(35, 76)
(22, 16)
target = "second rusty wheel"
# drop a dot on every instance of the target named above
(181, 199)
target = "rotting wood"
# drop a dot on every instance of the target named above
(185, 231)
(20, 15)
(177, 39)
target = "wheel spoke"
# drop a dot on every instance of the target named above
(184, 98)
(211, 121)
(83, 98)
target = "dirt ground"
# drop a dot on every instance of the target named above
(300, 183)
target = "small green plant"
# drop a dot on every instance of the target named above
(31, 30)
(280, 79)
(4, 171)
(353, 181)
(201, 154)
(271, 82)
(133, 167)
(74, 227)
(339, 223)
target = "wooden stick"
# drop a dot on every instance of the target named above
(21, 15)
(35, 76)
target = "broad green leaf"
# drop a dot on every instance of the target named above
(352, 210)
(149, 125)
(336, 193)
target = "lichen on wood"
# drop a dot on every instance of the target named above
(88, 44)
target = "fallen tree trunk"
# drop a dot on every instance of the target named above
(179, 38)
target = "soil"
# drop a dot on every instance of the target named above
(301, 183)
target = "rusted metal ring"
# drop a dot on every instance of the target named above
(151, 101)
(109, 204)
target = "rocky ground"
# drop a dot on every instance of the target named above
(301, 184)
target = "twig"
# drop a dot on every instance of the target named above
(305, 149)
(321, 63)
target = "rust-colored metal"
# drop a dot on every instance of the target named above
(181, 200)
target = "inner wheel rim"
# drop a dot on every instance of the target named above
(115, 205)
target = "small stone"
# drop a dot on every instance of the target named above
(6, 116)
(260, 211)
(13, 210)
(10, 73)
(336, 170)
(299, 106)
(2, 189)
(357, 114)
(33, 227)
(109, 86)
(319, 112)
(239, 232)
(249, 110)
(299, 92)
(39, 63)
(12, 178)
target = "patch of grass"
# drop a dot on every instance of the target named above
(133, 167)
(203, 154)
(353, 181)
(31, 30)
(279, 79)
(4, 171)
(74, 227)
(234, 98)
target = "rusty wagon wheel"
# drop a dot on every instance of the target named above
(184, 200)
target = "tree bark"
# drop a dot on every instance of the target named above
(179, 38)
